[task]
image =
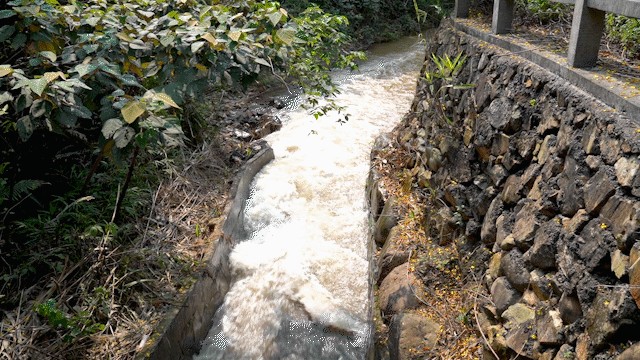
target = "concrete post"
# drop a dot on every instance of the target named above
(502, 16)
(586, 32)
(462, 8)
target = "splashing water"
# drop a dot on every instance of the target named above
(301, 288)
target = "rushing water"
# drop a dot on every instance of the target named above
(301, 281)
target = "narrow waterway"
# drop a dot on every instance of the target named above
(301, 281)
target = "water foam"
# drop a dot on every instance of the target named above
(301, 279)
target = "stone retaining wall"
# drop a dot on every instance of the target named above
(185, 327)
(546, 177)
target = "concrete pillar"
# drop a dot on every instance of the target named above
(502, 16)
(462, 8)
(586, 32)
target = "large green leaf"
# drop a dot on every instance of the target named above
(38, 85)
(25, 127)
(123, 136)
(6, 32)
(84, 69)
(110, 127)
(66, 119)
(132, 111)
(275, 18)
(50, 55)
(287, 36)
(6, 14)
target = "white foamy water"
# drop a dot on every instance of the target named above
(301, 281)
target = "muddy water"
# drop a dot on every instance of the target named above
(301, 288)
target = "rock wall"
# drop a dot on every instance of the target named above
(546, 177)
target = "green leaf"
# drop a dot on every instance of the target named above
(262, 62)
(18, 41)
(110, 127)
(275, 18)
(132, 111)
(6, 31)
(38, 108)
(124, 37)
(84, 69)
(81, 111)
(38, 85)
(6, 14)
(167, 40)
(123, 136)
(5, 96)
(138, 45)
(25, 127)
(197, 46)
(129, 80)
(50, 55)
(287, 36)
(66, 119)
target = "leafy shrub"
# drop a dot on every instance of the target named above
(101, 81)
(543, 11)
(116, 74)
(626, 32)
(379, 20)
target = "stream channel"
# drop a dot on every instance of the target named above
(301, 287)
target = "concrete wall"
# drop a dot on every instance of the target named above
(180, 334)
(545, 177)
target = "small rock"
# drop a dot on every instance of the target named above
(619, 263)
(526, 224)
(626, 170)
(503, 294)
(631, 353)
(482, 63)
(508, 243)
(634, 273)
(609, 148)
(488, 231)
(530, 298)
(500, 145)
(570, 308)
(583, 347)
(541, 285)
(546, 147)
(589, 137)
(565, 353)
(597, 191)
(612, 312)
(409, 332)
(518, 314)
(396, 292)
(387, 220)
(549, 328)
(593, 162)
(594, 244)
(623, 216)
(512, 187)
(504, 223)
(494, 266)
(497, 173)
(577, 222)
(513, 267)
(542, 253)
(521, 340)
